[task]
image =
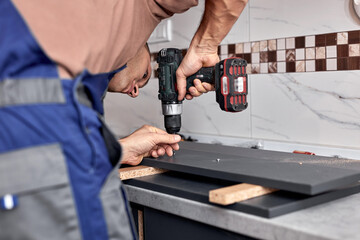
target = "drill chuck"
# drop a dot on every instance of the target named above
(172, 123)
(172, 116)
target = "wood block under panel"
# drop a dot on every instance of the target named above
(238, 192)
(138, 171)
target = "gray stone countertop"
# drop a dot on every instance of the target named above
(339, 219)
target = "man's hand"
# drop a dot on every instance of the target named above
(195, 59)
(147, 141)
(219, 16)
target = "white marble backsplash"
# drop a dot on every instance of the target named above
(285, 18)
(319, 108)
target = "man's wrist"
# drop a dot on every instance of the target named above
(204, 45)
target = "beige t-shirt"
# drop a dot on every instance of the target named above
(99, 35)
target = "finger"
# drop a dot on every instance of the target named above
(188, 97)
(166, 139)
(194, 92)
(209, 87)
(154, 154)
(169, 151)
(199, 87)
(161, 151)
(175, 146)
(181, 83)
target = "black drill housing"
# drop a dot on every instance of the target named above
(169, 60)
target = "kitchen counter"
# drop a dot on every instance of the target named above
(338, 219)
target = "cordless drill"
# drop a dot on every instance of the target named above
(229, 77)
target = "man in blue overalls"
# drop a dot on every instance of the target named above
(58, 160)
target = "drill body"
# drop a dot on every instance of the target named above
(169, 60)
(228, 76)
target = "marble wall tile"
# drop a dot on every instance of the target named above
(320, 40)
(255, 47)
(290, 43)
(342, 63)
(255, 57)
(263, 46)
(281, 56)
(248, 68)
(223, 50)
(239, 48)
(310, 65)
(281, 67)
(272, 56)
(264, 68)
(264, 57)
(272, 67)
(331, 52)
(300, 66)
(331, 64)
(300, 54)
(331, 39)
(310, 108)
(320, 65)
(310, 41)
(255, 68)
(354, 36)
(354, 50)
(247, 57)
(299, 42)
(310, 53)
(284, 18)
(354, 63)
(342, 38)
(281, 44)
(320, 53)
(272, 44)
(231, 49)
(290, 67)
(290, 55)
(342, 51)
(247, 47)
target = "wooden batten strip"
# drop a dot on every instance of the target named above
(138, 171)
(237, 193)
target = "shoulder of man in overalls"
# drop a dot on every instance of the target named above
(99, 36)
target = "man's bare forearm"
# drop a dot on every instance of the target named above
(219, 17)
(217, 21)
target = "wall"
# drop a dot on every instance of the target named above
(296, 98)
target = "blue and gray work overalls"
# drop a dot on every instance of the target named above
(58, 161)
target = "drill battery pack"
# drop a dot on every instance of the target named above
(231, 84)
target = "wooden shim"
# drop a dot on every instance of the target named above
(236, 193)
(138, 171)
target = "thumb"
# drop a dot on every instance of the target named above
(167, 138)
(181, 83)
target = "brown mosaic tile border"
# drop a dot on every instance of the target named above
(323, 52)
